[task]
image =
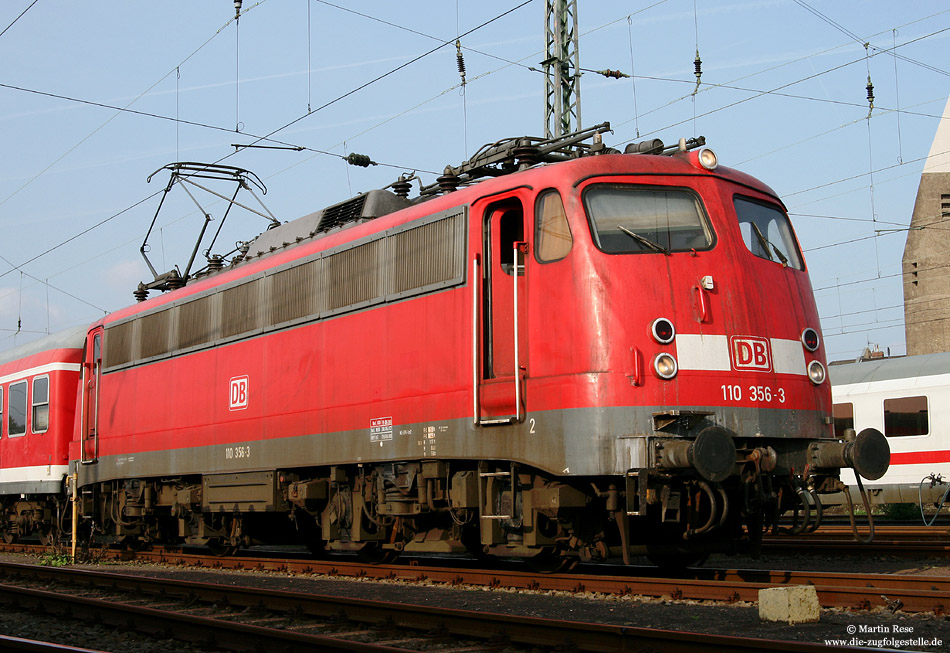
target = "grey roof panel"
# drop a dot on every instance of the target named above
(68, 339)
(884, 369)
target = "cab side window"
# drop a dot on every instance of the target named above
(553, 238)
(510, 231)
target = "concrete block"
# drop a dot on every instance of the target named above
(797, 604)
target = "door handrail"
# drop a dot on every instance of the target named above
(519, 247)
(476, 281)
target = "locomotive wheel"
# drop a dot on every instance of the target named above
(674, 560)
(132, 543)
(551, 562)
(221, 547)
(47, 536)
(471, 540)
(316, 548)
(373, 554)
(8, 537)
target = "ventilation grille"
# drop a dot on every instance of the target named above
(195, 325)
(292, 294)
(117, 345)
(395, 265)
(153, 335)
(342, 213)
(352, 275)
(427, 255)
(240, 309)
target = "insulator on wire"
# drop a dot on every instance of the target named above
(460, 60)
(360, 160)
(616, 74)
(237, 8)
(870, 88)
(698, 71)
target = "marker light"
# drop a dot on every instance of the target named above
(663, 331)
(708, 159)
(665, 366)
(810, 339)
(816, 372)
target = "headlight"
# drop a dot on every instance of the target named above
(810, 339)
(816, 372)
(663, 331)
(665, 366)
(708, 159)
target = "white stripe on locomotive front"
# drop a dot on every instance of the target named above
(710, 353)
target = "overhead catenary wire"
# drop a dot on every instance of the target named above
(772, 68)
(118, 111)
(30, 6)
(388, 73)
(635, 112)
(865, 43)
(258, 138)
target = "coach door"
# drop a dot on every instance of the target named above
(91, 372)
(500, 396)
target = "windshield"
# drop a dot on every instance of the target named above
(767, 233)
(632, 219)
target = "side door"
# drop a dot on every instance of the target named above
(504, 301)
(91, 376)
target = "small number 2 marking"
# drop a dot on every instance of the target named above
(532, 425)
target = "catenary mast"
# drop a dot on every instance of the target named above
(562, 75)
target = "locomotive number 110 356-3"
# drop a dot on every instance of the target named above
(755, 393)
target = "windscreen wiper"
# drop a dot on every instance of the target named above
(643, 240)
(763, 241)
(766, 244)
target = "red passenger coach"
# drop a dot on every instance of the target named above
(38, 389)
(590, 354)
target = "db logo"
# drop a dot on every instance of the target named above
(238, 393)
(749, 353)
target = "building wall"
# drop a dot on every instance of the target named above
(926, 268)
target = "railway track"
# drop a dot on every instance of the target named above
(231, 618)
(932, 541)
(913, 594)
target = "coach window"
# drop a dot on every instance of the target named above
(553, 238)
(844, 418)
(767, 232)
(16, 413)
(906, 416)
(635, 219)
(40, 423)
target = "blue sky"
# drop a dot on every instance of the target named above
(783, 98)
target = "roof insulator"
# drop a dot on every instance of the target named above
(448, 181)
(402, 186)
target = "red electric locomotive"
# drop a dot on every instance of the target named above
(38, 384)
(590, 354)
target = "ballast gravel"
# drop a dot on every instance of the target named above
(688, 616)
